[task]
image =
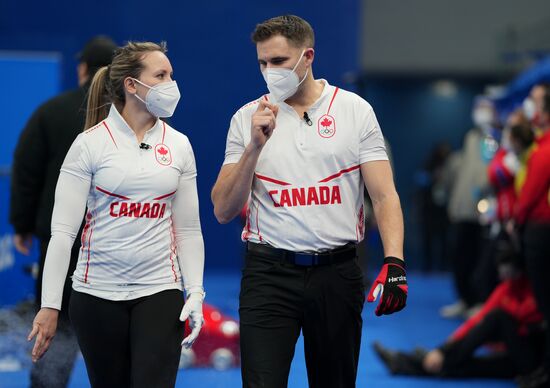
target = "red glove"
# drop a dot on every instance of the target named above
(392, 282)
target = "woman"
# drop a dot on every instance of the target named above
(142, 240)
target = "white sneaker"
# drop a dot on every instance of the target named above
(455, 310)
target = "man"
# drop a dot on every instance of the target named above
(533, 219)
(468, 180)
(300, 156)
(40, 151)
(533, 105)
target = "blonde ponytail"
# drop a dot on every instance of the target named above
(98, 98)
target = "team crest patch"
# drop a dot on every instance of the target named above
(326, 126)
(163, 154)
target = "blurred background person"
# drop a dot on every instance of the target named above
(432, 200)
(533, 217)
(509, 320)
(497, 206)
(40, 151)
(467, 174)
(533, 106)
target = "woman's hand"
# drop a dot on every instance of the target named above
(192, 310)
(43, 327)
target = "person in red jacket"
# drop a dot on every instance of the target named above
(533, 219)
(510, 316)
(501, 172)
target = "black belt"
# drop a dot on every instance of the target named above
(337, 255)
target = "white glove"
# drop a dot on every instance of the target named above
(192, 309)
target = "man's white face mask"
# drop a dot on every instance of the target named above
(283, 83)
(161, 100)
(483, 117)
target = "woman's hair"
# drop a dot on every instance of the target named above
(107, 86)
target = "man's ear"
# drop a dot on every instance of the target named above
(309, 55)
(82, 73)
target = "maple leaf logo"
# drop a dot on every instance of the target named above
(326, 122)
(162, 151)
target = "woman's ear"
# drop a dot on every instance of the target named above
(130, 85)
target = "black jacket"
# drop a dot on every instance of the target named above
(38, 157)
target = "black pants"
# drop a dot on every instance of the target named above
(485, 274)
(522, 355)
(467, 244)
(134, 343)
(536, 246)
(279, 300)
(54, 369)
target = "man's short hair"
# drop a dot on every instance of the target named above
(298, 32)
(96, 53)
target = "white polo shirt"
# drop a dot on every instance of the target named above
(307, 192)
(128, 245)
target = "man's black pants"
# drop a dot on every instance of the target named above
(278, 300)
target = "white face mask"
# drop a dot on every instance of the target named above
(161, 100)
(482, 117)
(283, 83)
(529, 108)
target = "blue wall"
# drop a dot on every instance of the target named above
(29, 80)
(213, 58)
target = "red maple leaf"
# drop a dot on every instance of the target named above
(163, 151)
(326, 122)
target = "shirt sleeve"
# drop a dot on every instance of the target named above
(71, 194)
(371, 142)
(188, 234)
(234, 146)
(78, 161)
(189, 166)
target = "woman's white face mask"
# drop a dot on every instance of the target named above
(283, 83)
(161, 100)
